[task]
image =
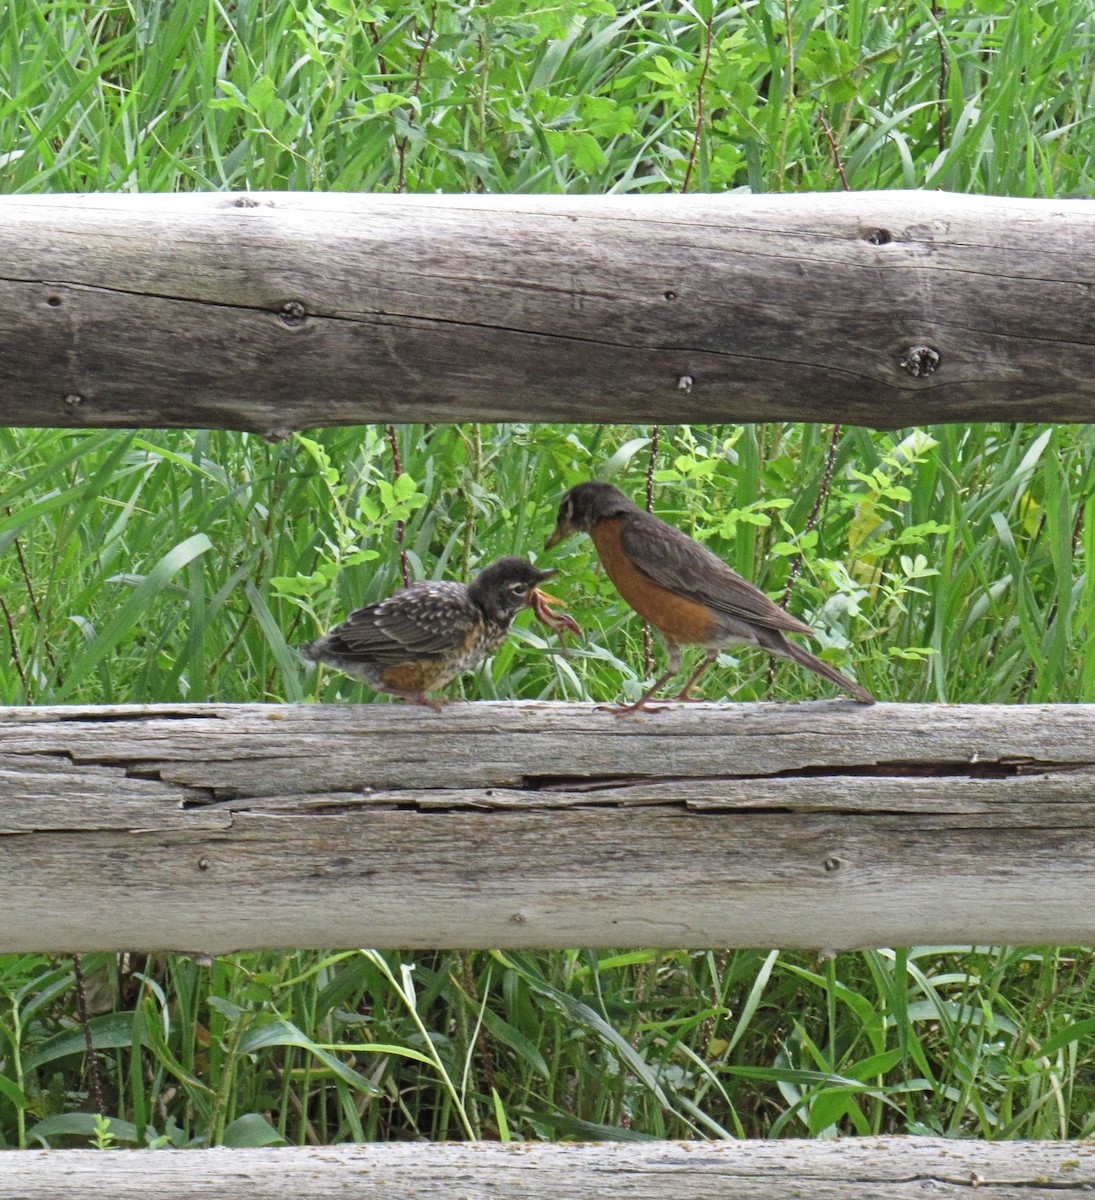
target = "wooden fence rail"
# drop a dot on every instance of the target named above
(863, 1169)
(818, 825)
(823, 825)
(280, 311)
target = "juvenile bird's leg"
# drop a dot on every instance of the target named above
(422, 698)
(641, 705)
(685, 692)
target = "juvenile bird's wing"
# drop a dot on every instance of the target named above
(425, 620)
(680, 564)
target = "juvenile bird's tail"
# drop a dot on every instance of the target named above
(804, 658)
(313, 651)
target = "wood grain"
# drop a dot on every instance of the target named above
(860, 1169)
(825, 825)
(281, 311)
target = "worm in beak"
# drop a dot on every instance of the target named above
(541, 606)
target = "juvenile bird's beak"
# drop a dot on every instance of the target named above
(547, 597)
(534, 593)
(563, 530)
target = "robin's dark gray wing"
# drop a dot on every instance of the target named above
(425, 620)
(681, 564)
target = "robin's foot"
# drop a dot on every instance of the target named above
(424, 700)
(622, 710)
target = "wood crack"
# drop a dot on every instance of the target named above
(376, 319)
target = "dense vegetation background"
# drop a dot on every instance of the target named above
(942, 564)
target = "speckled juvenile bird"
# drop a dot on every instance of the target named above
(689, 594)
(424, 635)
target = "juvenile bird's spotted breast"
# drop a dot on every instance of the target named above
(680, 620)
(428, 673)
(413, 676)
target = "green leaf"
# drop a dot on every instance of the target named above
(133, 611)
(275, 1031)
(385, 102)
(110, 1031)
(253, 1130)
(80, 1125)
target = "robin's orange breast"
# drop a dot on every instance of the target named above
(681, 620)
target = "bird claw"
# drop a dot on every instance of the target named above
(622, 710)
(425, 701)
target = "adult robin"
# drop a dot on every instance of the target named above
(689, 594)
(426, 634)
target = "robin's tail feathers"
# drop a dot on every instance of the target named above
(805, 659)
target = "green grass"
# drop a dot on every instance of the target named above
(948, 564)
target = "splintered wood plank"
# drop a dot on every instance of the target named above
(826, 825)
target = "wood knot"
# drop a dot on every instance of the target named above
(292, 313)
(74, 401)
(920, 361)
(878, 237)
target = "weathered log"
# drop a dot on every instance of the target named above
(860, 1169)
(818, 825)
(282, 311)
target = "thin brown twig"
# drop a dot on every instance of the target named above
(24, 570)
(648, 638)
(836, 150)
(815, 512)
(944, 68)
(401, 182)
(15, 655)
(400, 526)
(699, 106)
(95, 1085)
(811, 522)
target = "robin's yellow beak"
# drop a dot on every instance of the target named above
(563, 530)
(548, 597)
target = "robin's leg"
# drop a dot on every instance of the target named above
(421, 698)
(675, 659)
(685, 692)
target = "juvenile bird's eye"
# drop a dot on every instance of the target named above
(518, 589)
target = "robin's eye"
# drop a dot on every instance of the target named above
(518, 589)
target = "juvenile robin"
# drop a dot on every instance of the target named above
(424, 635)
(687, 593)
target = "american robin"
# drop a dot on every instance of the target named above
(426, 634)
(691, 596)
